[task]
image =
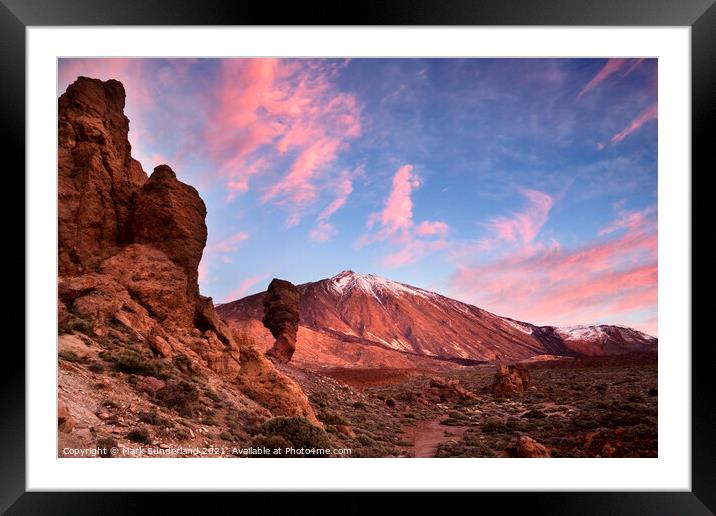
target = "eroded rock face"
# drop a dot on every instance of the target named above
(169, 215)
(281, 305)
(97, 177)
(129, 250)
(510, 380)
(153, 280)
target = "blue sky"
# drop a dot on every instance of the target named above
(525, 186)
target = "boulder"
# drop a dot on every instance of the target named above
(443, 390)
(72, 344)
(525, 447)
(65, 423)
(149, 384)
(159, 345)
(510, 380)
(281, 316)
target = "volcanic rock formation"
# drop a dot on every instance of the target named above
(281, 317)
(510, 380)
(129, 250)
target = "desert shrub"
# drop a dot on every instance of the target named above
(272, 442)
(390, 402)
(329, 418)
(140, 435)
(109, 404)
(96, 367)
(182, 397)
(534, 414)
(298, 431)
(365, 440)
(226, 436)
(70, 356)
(359, 405)
(182, 362)
(129, 361)
(493, 425)
(213, 396)
(210, 420)
(105, 445)
(155, 419)
(181, 434)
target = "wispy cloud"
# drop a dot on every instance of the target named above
(244, 287)
(395, 223)
(324, 230)
(611, 67)
(650, 113)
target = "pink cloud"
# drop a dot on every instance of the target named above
(293, 113)
(244, 287)
(343, 188)
(611, 67)
(610, 280)
(322, 232)
(395, 223)
(431, 228)
(650, 113)
(343, 191)
(230, 244)
(398, 211)
(523, 226)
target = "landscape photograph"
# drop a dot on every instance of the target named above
(357, 258)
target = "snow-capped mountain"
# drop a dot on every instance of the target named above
(391, 317)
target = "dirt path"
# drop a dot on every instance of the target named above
(425, 436)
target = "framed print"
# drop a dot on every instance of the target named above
(447, 249)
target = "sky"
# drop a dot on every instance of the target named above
(527, 187)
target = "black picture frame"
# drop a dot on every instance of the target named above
(700, 15)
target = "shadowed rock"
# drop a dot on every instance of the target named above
(510, 380)
(281, 317)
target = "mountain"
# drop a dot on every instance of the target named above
(395, 321)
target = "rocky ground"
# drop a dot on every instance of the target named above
(592, 407)
(596, 407)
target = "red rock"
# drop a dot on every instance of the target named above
(448, 389)
(65, 423)
(169, 215)
(159, 345)
(510, 380)
(97, 177)
(149, 384)
(529, 448)
(346, 430)
(153, 280)
(206, 318)
(281, 306)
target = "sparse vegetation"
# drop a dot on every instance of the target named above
(296, 430)
(140, 435)
(183, 397)
(153, 418)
